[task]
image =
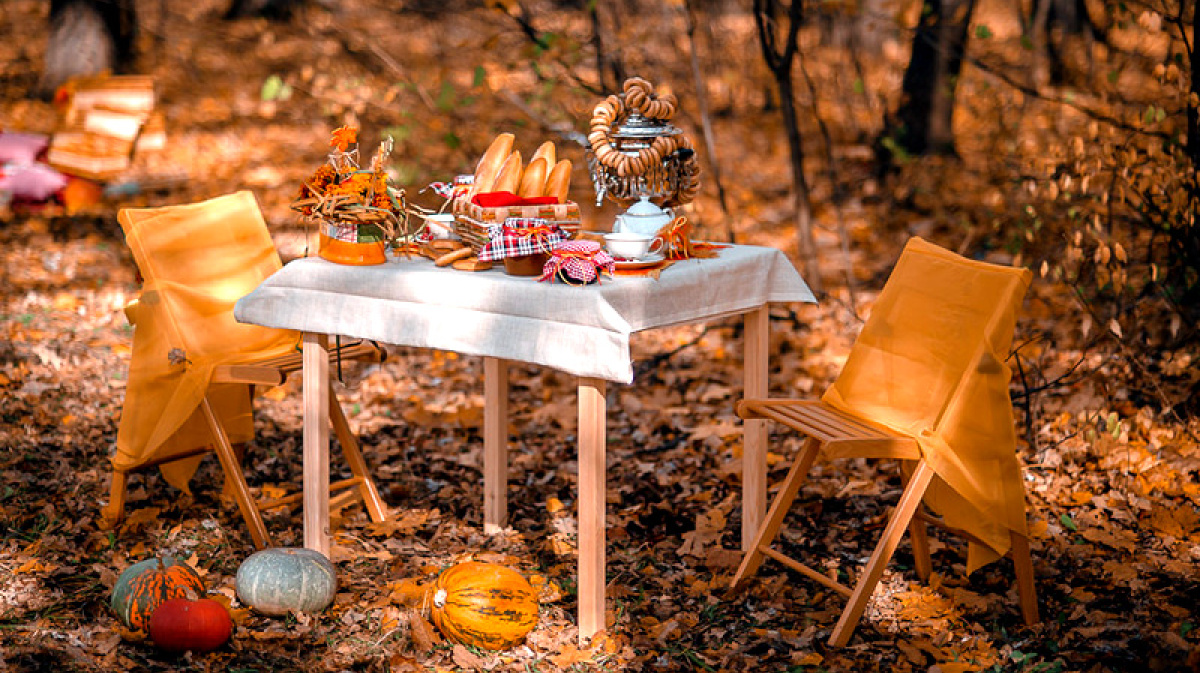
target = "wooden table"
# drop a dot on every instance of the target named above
(583, 331)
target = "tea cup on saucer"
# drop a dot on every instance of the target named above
(630, 245)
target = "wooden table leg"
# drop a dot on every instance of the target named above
(495, 444)
(316, 442)
(592, 482)
(754, 432)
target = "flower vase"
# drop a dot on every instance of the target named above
(353, 244)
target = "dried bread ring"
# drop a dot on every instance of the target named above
(637, 94)
(632, 100)
(472, 264)
(638, 83)
(440, 246)
(452, 257)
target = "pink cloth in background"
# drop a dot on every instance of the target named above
(31, 182)
(21, 175)
(21, 148)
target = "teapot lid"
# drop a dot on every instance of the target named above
(645, 208)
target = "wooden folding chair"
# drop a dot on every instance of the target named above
(873, 431)
(197, 260)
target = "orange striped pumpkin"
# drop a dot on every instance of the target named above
(485, 605)
(147, 584)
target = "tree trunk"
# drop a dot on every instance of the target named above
(801, 198)
(779, 57)
(87, 37)
(1053, 24)
(922, 124)
(1193, 114)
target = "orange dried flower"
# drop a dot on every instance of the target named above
(343, 137)
(356, 185)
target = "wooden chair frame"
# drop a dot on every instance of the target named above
(271, 372)
(827, 428)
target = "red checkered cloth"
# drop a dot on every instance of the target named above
(520, 236)
(451, 191)
(578, 262)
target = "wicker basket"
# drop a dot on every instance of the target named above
(472, 222)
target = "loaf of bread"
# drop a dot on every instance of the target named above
(533, 180)
(558, 184)
(546, 151)
(509, 179)
(491, 162)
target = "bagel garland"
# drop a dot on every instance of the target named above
(638, 96)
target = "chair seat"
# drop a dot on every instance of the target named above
(274, 371)
(842, 435)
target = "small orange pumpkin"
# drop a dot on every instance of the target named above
(485, 605)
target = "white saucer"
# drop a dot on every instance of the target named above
(648, 260)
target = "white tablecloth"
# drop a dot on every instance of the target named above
(579, 330)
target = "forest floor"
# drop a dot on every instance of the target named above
(1111, 476)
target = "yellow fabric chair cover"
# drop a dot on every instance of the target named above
(197, 260)
(938, 316)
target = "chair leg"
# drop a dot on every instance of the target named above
(909, 501)
(1023, 565)
(358, 467)
(239, 454)
(918, 535)
(233, 472)
(114, 512)
(779, 509)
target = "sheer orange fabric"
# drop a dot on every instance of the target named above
(930, 362)
(197, 261)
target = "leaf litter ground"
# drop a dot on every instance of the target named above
(1112, 481)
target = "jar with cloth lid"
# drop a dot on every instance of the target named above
(578, 263)
(524, 243)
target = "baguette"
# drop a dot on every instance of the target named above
(491, 162)
(559, 181)
(533, 180)
(509, 179)
(546, 151)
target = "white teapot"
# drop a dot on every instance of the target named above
(642, 217)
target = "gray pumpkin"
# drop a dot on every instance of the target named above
(279, 580)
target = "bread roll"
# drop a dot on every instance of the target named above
(545, 151)
(509, 179)
(491, 162)
(533, 180)
(559, 182)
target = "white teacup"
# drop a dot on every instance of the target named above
(441, 225)
(628, 245)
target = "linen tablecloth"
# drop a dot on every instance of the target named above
(578, 330)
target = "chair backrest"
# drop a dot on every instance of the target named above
(930, 363)
(197, 260)
(939, 320)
